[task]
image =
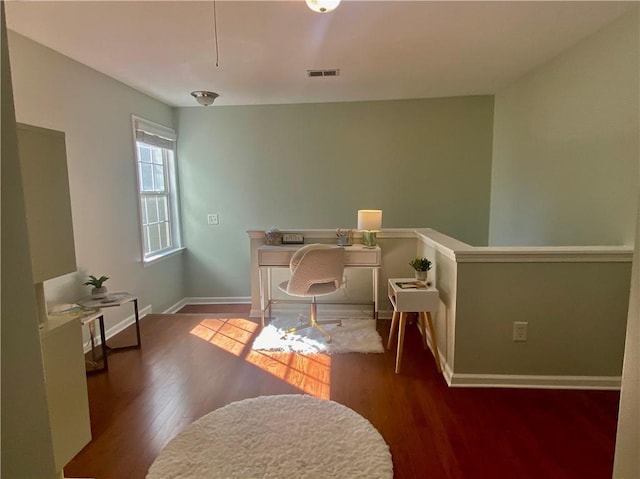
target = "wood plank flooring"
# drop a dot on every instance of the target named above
(191, 364)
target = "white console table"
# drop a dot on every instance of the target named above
(357, 256)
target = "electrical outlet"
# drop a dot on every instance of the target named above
(520, 330)
(213, 219)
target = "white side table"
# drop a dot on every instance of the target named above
(112, 300)
(424, 300)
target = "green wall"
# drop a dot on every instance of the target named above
(423, 162)
(576, 315)
(565, 154)
(94, 111)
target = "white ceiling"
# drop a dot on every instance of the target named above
(384, 49)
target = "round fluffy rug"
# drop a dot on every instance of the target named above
(287, 436)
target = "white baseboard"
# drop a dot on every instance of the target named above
(524, 381)
(204, 300)
(531, 381)
(176, 307)
(218, 300)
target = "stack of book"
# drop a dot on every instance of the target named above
(411, 285)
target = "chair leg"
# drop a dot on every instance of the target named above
(330, 321)
(324, 332)
(316, 324)
(295, 329)
(314, 311)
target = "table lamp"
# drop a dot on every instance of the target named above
(369, 222)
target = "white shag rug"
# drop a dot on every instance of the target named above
(354, 336)
(268, 437)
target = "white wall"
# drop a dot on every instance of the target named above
(565, 153)
(27, 449)
(627, 458)
(94, 111)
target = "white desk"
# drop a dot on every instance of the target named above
(357, 256)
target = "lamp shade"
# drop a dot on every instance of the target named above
(369, 220)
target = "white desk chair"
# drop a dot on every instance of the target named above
(316, 270)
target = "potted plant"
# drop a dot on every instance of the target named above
(99, 291)
(421, 267)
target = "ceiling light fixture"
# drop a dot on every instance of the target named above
(322, 6)
(205, 98)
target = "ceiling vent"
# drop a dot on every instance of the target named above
(334, 72)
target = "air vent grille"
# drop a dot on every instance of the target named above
(334, 72)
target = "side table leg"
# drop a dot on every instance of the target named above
(135, 308)
(422, 322)
(403, 323)
(392, 331)
(261, 280)
(103, 339)
(92, 338)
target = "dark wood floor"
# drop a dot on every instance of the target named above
(191, 364)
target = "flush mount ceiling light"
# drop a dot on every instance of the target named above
(205, 98)
(322, 6)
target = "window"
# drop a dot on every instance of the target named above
(157, 189)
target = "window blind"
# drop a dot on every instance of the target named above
(154, 134)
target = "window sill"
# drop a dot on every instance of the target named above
(166, 254)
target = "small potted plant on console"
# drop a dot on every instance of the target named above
(421, 267)
(99, 291)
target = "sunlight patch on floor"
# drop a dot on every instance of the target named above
(311, 373)
(230, 334)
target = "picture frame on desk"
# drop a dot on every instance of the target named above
(292, 238)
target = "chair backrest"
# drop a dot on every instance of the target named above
(319, 265)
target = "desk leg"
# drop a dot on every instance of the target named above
(269, 291)
(376, 274)
(261, 281)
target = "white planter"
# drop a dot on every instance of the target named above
(421, 275)
(99, 293)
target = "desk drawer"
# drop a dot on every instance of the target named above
(362, 257)
(355, 256)
(274, 257)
